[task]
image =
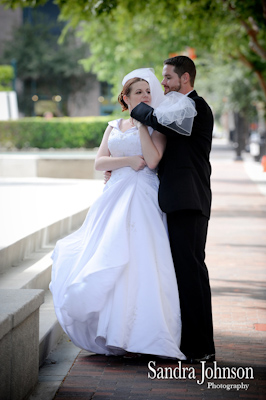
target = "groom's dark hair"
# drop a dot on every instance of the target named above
(181, 65)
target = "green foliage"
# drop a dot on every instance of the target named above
(128, 34)
(54, 133)
(22, 3)
(125, 34)
(123, 41)
(228, 87)
(45, 66)
(39, 55)
(6, 76)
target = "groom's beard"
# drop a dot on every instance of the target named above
(173, 89)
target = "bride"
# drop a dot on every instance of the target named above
(113, 281)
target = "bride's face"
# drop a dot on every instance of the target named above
(140, 93)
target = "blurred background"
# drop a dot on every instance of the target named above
(65, 60)
(61, 67)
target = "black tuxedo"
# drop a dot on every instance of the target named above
(185, 196)
(185, 169)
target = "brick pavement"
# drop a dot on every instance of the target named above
(236, 260)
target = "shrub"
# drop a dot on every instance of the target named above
(6, 76)
(54, 133)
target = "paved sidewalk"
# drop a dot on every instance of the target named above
(236, 259)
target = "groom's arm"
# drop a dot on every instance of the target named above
(144, 114)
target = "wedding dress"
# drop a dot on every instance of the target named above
(113, 280)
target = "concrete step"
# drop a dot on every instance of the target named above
(12, 255)
(35, 273)
(36, 211)
(37, 214)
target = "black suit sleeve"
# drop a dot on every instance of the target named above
(144, 114)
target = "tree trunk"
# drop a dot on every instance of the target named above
(241, 134)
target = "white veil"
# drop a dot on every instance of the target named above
(177, 112)
(174, 110)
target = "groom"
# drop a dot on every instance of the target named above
(185, 196)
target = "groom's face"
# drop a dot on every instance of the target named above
(171, 81)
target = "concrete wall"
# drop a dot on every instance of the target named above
(74, 167)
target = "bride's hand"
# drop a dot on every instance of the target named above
(106, 176)
(135, 122)
(137, 163)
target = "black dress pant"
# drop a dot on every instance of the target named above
(187, 233)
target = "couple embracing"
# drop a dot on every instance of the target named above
(133, 280)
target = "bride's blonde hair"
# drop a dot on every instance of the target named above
(126, 91)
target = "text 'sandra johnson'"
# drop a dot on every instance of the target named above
(207, 372)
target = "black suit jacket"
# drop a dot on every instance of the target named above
(184, 170)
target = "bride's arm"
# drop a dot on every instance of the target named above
(152, 146)
(104, 161)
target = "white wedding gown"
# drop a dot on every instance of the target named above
(113, 280)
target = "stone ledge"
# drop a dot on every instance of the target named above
(17, 305)
(64, 166)
(19, 342)
(5, 325)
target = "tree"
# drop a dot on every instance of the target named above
(38, 54)
(125, 34)
(235, 93)
(6, 76)
(45, 66)
(148, 30)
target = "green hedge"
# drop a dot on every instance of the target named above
(54, 133)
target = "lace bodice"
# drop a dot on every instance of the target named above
(123, 144)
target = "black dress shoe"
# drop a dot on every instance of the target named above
(206, 357)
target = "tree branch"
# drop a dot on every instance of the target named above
(252, 30)
(254, 44)
(264, 8)
(259, 75)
